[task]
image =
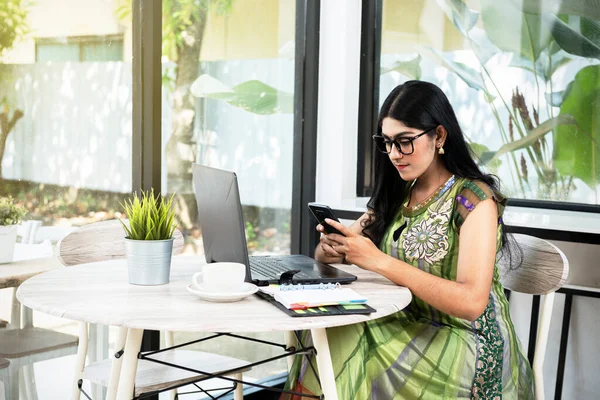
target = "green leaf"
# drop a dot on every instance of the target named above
(410, 68)
(583, 8)
(150, 218)
(546, 65)
(577, 147)
(557, 98)
(582, 41)
(500, 18)
(481, 151)
(531, 137)
(463, 18)
(467, 74)
(253, 96)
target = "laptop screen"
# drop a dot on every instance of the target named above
(220, 216)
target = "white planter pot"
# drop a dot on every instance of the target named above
(8, 238)
(149, 261)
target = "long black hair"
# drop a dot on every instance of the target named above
(421, 105)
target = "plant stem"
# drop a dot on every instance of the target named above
(535, 165)
(506, 140)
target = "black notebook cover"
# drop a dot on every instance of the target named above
(319, 311)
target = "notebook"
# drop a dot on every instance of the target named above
(297, 297)
(222, 226)
(315, 300)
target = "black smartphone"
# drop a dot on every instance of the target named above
(322, 211)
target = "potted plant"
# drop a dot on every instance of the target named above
(149, 238)
(10, 216)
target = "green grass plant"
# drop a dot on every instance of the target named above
(150, 217)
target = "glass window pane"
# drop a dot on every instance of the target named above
(228, 103)
(65, 151)
(527, 97)
(107, 50)
(57, 52)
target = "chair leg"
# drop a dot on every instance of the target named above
(4, 384)
(540, 345)
(80, 359)
(12, 384)
(97, 351)
(115, 369)
(28, 377)
(15, 312)
(170, 341)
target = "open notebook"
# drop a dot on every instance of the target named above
(310, 299)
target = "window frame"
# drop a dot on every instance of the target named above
(369, 102)
(147, 135)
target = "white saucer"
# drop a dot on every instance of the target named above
(224, 297)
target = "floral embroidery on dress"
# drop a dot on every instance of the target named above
(487, 383)
(428, 240)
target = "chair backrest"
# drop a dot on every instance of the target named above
(543, 268)
(100, 241)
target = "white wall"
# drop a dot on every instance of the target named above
(76, 129)
(336, 177)
(55, 19)
(337, 124)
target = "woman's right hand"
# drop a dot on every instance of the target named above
(324, 251)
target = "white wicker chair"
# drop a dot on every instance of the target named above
(543, 270)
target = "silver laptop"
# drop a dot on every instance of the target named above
(222, 225)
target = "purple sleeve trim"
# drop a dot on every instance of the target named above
(468, 205)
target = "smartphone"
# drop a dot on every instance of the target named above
(322, 211)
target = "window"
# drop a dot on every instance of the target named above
(92, 48)
(228, 96)
(527, 98)
(67, 156)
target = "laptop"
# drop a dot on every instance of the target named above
(222, 225)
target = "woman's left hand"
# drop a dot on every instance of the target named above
(358, 249)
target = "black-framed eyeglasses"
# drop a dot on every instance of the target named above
(403, 144)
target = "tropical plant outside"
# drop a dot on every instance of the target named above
(550, 140)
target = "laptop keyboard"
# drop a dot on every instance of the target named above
(272, 267)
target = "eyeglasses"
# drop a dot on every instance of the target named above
(403, 144)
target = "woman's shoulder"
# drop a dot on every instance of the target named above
(471, 192)
(478, 190)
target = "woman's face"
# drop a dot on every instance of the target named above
(410, 167)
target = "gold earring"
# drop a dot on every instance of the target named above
(441, 150)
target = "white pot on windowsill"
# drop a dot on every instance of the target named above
(8, 238)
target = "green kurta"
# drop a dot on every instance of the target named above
(421, 352)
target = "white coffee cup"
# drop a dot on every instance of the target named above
(221, 277)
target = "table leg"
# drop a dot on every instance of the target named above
(238, 394)
(324, 364)
(133, 345)
(290, 341)
(80, 359)
(170, 342)
(115, 368)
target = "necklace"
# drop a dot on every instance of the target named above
(437, 194)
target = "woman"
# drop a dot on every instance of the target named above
(433, 225)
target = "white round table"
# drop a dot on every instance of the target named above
(100, 293)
